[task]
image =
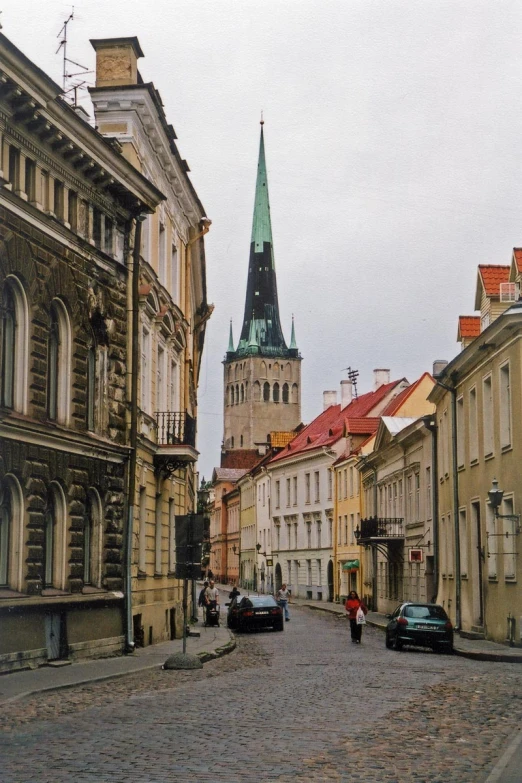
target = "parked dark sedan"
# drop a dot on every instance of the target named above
(246, 612)
(425, 625)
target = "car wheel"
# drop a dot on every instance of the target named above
(397, 644)
(388, 641)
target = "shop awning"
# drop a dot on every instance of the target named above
(350, 564)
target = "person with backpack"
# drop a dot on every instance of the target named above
(356, 611)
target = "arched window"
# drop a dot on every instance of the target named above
(241, 441)
(11, 533)
(266, 392)
(92, 540)
(232, 442)
(276, 370)
(262, 370)
(295, 395)
(286, 392)
(5, 529)
(242, 393)
(55, 525)
(236, 372)
(246, 390)
(275, 392)
(288, 371)
(231, 395)
(237, 394)
(14, 348)
(59, 364)
(256, 391)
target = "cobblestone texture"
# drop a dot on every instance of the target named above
(305, 705)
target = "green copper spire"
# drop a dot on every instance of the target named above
(230, 348)
(261, 225)
(293, 344)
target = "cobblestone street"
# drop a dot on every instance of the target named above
(305, 705)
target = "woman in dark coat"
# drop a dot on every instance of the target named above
(352, 606)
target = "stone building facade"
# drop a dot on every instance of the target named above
(68, 202)
(171, 322)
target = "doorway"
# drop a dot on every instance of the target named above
(330, 578)
(55, 640)
(278, 577)
(477, 554)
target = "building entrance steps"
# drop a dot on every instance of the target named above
(212, 642)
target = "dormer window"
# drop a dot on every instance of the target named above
(509, 292)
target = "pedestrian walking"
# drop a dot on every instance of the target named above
(356, 612)
(283, 597)
(212, 595)
(234, 592)
(201, 597)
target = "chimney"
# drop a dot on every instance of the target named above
(346, 394)
(380, 377)
(116, 61)
(439, 365)
(329, 399)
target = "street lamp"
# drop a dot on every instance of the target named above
(495, 499)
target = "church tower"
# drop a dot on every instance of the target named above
(262, 378)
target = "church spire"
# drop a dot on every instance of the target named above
(261, 305)
(230, 348)
(293, 344)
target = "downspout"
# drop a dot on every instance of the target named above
(456, 525)
(430, 423)
(131, 487)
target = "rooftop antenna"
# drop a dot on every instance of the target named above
(67, 84)
(352, 376)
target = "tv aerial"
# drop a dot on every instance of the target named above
(70, 87)
(352, 376)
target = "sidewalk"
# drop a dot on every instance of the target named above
(478, 649)
(212, 643)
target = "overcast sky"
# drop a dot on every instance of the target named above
(394, 148)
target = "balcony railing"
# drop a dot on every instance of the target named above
(381, 527)
(175, 429)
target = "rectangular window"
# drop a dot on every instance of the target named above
(460, 432)
(410, 498)
(346, 529)
(58, 199)
(319, 573)
(109, 237)
(45, 191)
(428, 493)
(277, 493)
(339, 485)
(345, 483)
(339, 530)
(173, 389)
(294, 483)
(145, 370)
(473, 426)
(352, 528)
(96, 226)
(491, 554)
(309, 535)
(463, 542)
(309, 572)
(316, 485)
(330, 480)
(13, 174)
(30, 179)
(351, 482)
(400, 506)
(288, 500)
(160, 380)
(450, 548)
(318, 531)
(73, 210)
(307, 488)
(162, 270)
(174, 273)
(487, 415)
(417, 497)
(505, 407)
(509, 540)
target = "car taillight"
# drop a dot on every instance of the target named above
(248, 614)
(276, 611)
(402, 621)
(448, 626)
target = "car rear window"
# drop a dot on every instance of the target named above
(259, 600)
(425, 612)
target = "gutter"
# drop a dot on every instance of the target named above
(131, 487)
(430, 422)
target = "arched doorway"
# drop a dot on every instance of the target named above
(278, 578)
(330, 575)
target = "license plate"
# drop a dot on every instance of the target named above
(424, 627)
(262, 613)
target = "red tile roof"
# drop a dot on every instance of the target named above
(469, 326)
(394, 405)
(330, 425)
(492, 277)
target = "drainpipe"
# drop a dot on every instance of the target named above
(430, 423)
(456, 524)
(131, 486)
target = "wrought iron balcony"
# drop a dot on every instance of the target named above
(176, 441)
(380, 528)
